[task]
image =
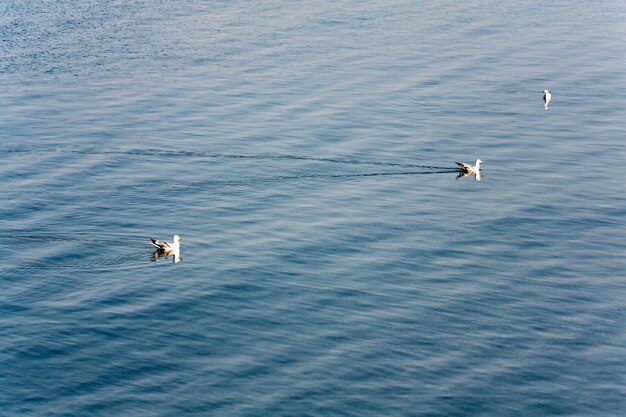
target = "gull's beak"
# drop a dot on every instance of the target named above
(180, 238)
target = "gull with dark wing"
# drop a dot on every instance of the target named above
(468, 169)
(167, 246)
(547, 98)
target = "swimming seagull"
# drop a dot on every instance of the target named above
(167, 246)
(547, 97)
(468, 168)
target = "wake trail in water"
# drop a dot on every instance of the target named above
(126, 261)
(103, 239)
(279, 178)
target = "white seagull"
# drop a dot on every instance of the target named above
(167, 246)
(547, 97)
(470, 169)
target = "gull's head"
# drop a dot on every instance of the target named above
(547, 92)
(478, 161)
(177, 238)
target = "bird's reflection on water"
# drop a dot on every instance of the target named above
(477, 176)
(160, 254)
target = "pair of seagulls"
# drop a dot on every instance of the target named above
(165, 249)
(173, 248)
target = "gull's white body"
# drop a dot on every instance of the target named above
(547, 97)
(167, 246)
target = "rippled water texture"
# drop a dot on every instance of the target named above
(333, 264)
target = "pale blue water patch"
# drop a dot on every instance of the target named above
(333, 264)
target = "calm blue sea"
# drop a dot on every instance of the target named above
(333, 263)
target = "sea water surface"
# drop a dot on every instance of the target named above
(333, 264)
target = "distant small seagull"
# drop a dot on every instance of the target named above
(469, 168)
(167, 246)
(547, 97)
